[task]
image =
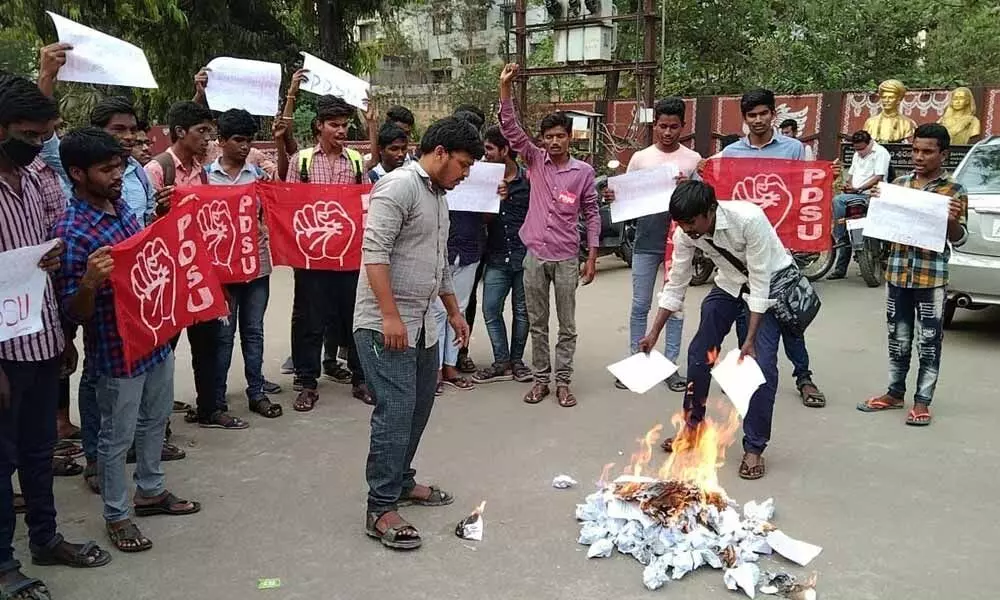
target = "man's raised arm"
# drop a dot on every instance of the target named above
(509, 125)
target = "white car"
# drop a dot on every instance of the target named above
(974, 269)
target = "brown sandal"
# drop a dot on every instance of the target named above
(306, 401)
(755, 472)
(401, 536)
(537, 393)
(126, 537)
(564, 397)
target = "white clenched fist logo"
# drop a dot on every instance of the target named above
(219, 232)
(769, 192)
(154, 282)
(323, 230)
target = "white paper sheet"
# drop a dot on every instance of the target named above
(643, 192)
(478, 191)
(99, 58)
(324, 78)
(252, 85)
(908, 216)
(641, 371)
(738, 380)
(792, 549)
(22, 290)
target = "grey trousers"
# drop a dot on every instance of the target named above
(403, 385)
(539, 276)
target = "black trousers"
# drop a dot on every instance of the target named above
(27, 438)
(323, 299)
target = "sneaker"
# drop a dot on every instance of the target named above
(271, 388)
(288, 367)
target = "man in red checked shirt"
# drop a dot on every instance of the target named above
(562, 188)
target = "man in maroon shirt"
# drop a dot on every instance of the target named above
(562, 188)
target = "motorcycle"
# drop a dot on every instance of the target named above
(814, 265)
(871, 254)
(615, 238)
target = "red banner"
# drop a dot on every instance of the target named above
(163, 282)
(227, 216)
(315, 226)
(796, 195)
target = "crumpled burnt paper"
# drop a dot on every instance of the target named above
(674, 528)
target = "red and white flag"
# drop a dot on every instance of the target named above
(796, 196)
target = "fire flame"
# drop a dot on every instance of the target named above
(698, 451)
(479, 509)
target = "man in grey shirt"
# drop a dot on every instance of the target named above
(405, 270)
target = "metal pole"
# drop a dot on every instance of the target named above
(521, 35)
(649, 54)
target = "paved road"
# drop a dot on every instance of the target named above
(901, 512)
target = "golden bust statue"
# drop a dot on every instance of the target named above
(889, 126)
(960, 117)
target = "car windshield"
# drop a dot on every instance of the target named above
(981, 172)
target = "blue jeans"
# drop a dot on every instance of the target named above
(644, 280)
(247, 304)
(403, 383)
(497, 283)
(133, 408)
(463, 279)
(840, 230)
(922, 310)
(90, 415)
(795, 350)
(719, 311)
(27, 436)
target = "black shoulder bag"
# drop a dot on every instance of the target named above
(797, 302)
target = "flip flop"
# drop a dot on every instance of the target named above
(876, 404)
(459, 383)
(921, 420)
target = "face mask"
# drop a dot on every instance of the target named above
(20, 152)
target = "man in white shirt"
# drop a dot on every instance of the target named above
(734, 231)
(869, 166)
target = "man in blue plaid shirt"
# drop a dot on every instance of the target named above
(915, 282)
(134, 400)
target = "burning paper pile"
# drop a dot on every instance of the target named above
(682, 519)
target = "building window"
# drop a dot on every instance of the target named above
(441, 24)
(441, 70)
(475, 20)
(472, 56)
(441, 76)
(366, 32)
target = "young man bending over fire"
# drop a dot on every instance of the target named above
(742, 231)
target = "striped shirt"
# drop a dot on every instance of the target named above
(323, 168)
(54, 200)
(22, 223)
(912, 267)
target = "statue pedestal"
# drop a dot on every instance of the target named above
(902, 157)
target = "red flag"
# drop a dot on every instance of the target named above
(163, 281)
(796, 195)
(227, 218)
(315, 226)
